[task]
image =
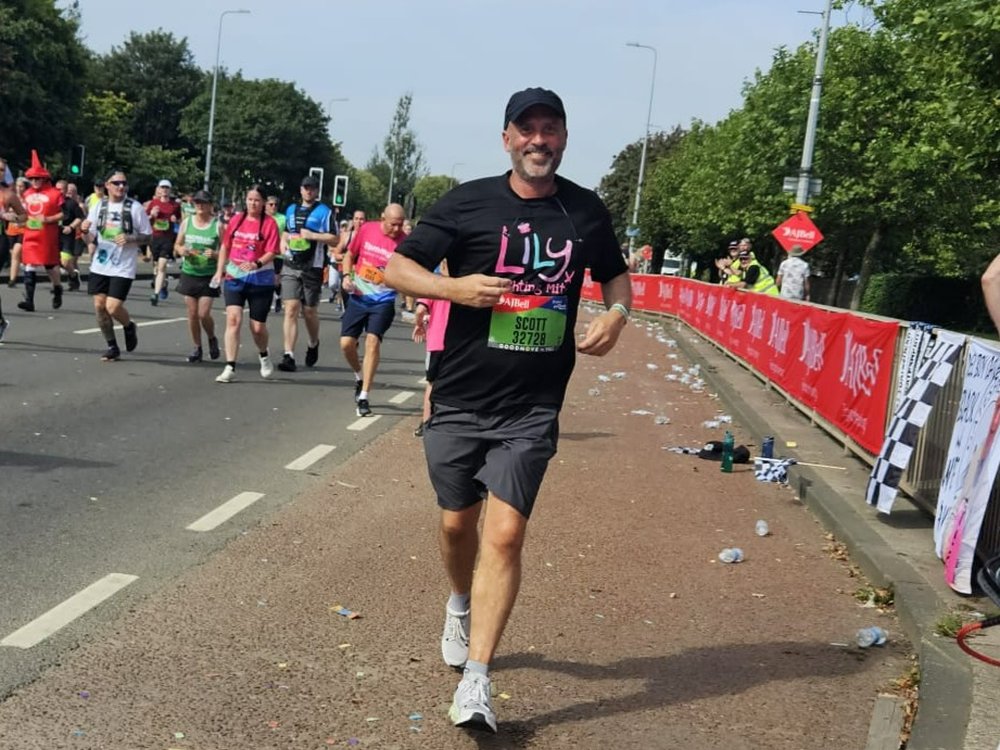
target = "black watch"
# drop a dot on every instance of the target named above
(259, 264)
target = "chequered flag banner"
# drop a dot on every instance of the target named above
(911, 414)
(772, 469)
(916, 348)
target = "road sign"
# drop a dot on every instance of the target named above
(798, 230)
(632, 232)
(796, 207)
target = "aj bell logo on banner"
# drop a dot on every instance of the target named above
(798, 230)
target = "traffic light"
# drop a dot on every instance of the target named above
(76, 160)
(317, 172)
(340, 190)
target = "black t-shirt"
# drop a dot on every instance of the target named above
(494, 359)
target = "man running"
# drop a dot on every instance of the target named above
(40, 246)
(309, 227)
(11, 211)
(337, 252)
(119, 226)
(164, 213)
(373, 304)
(70, 248)
(271, 209)
(517, 247)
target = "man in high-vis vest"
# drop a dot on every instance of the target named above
(756, 278)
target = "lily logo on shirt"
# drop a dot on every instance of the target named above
(531, 256)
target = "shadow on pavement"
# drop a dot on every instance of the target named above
(688, 676)
(47, 462)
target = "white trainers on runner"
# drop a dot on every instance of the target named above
(228, 375)
(455, 638)
(266, 367)
(471, 707)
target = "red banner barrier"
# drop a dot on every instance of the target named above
(834, 362)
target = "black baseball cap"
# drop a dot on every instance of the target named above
(202, 196)
(522, 101)
(310, 181)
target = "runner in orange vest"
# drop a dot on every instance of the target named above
(40, 247)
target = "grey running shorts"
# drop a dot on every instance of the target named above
(305, 284)
(469, 453)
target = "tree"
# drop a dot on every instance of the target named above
(367, 193)
(266, 131)
(429, 190)
(157, 74)
(401, 160)
(42, 61)
(618, 186)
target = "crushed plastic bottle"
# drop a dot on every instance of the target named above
(661, 419)
(871, 636)
(762, 528)
(731, 555)
(594, 392)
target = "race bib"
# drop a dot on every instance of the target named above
(161, 225)
(371, 274)
(35, 223)
(297, 244)
(523, 323)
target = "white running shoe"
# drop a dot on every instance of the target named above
(228, 375)
(266, 367)
(455, 639)
(471, 707)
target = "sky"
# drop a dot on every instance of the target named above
(462, 59)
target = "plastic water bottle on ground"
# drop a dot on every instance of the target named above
(762, 528)
(871, 636)
(727, 452)
(731, 555)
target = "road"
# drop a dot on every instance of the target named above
(106, 465)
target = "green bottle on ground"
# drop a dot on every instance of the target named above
(727, 452)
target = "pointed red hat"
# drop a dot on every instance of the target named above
(37, 169)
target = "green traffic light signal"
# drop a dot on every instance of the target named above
(75, 169)
(76, 159)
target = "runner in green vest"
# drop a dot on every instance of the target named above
(198, 246)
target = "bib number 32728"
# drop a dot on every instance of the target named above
(528, 323)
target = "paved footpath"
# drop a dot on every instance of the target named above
(628, 632)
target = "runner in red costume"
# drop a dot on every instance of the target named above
(40, 247)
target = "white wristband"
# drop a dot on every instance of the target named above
(622, 310)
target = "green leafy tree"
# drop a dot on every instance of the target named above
(400, 162)
(617, 187)
(266, 131)
(367, 193)
(156, 72)
(429, 190)
(42, 63)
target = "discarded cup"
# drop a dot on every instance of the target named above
(871, 636)
(762, 528)
(731, 555)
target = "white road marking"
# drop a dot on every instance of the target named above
(364, 423)
(310, 457)
(423, 381)
(138, 325)
(63, 614)
(225, 511)
(401, 397)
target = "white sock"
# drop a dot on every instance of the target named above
(363, 396)
(458, 602)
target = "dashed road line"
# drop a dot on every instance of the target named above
(63, 614)
(139, 325)
(225, 511)
(401, 397)
(422, 381)
(363, 423)
(310, 457)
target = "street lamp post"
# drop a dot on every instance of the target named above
(804, 184)
(645, 144)
(215, 85)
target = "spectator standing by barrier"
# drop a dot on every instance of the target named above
(793, 275)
